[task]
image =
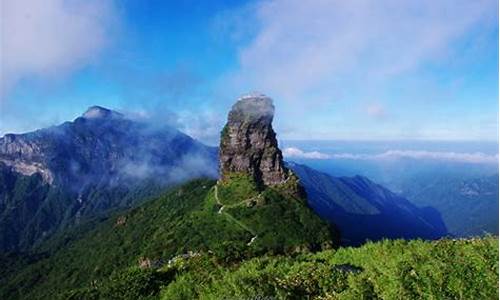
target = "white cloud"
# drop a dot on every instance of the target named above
(297, 153)
(376, 110)
(476, 157)
(204, 126)
(51, 38)
(305, 50)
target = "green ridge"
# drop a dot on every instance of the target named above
(184, 220)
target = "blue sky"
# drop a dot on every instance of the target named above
(350, 70)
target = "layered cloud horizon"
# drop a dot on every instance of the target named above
(461, 157)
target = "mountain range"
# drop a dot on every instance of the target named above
(104, 161)
(89, 211)
(468, 205)
(53, 177)
(364, 210)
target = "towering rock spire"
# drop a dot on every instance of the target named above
(248, 142)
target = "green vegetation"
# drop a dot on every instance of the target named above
(236, 188)
(31, 210)
(291, 186)
(446, 269)
(283, 224)
(279, 222)
(397, 269)
(159, 229)
(187, 219)
(132, 283)
(193, 243)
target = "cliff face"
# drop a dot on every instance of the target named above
(248, 142)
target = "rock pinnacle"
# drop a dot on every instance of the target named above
(248, 142)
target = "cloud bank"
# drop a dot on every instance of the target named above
(51, 38)
(476, 157)
(303, 49)
(331, 59)
(293, 152)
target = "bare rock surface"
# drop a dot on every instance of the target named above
(248, 142)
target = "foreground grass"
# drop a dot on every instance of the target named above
(397, 269)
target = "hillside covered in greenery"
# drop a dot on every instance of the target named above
(231, 221)
(253, 234)
(397, 269)
(182, 246)
(389, 269)
(54, 177)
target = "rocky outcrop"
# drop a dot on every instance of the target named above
(248, 142)
(29, 168)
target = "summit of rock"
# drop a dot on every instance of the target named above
(252, 108)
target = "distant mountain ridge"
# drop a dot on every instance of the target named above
(99, 144)
(100, 161)
(364, 210)
(469, 206)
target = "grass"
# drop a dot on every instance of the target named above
(445, 269)
(236, 188)
(183, 220)
(102, 261)
(389, 269)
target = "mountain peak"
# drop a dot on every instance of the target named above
(253, 107)
(99, 112)
(248, 142)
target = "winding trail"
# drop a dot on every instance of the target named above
(251, 241)
(216, 193)
(217, 200)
